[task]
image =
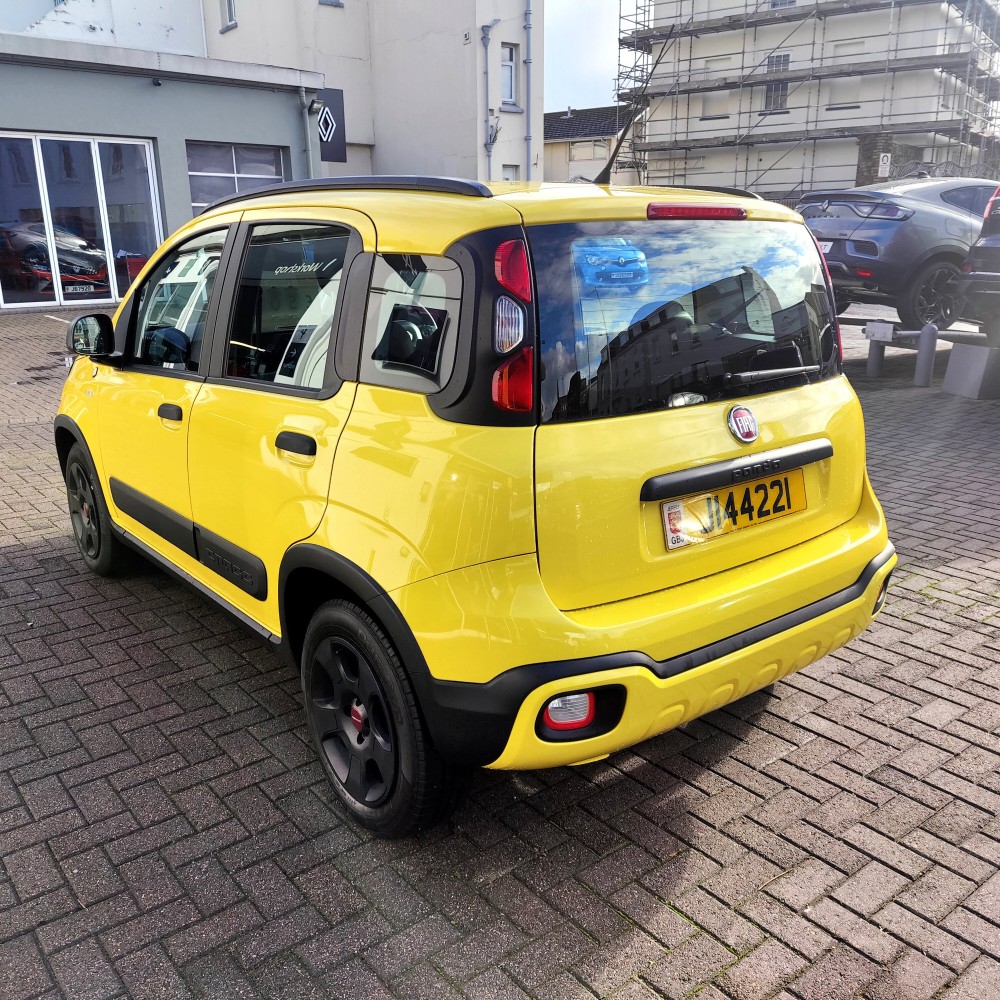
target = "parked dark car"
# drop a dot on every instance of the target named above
(979, 285)
(900, 243)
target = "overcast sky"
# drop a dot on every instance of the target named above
(581, 53)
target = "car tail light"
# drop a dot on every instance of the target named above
(511, 264)
(863, 273)
(658, 211)
(886, 210)
(514, 383)
(508, 325)
(570, 711)
(992, 207)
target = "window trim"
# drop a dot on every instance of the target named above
(228, 12)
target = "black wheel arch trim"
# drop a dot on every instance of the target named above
(471, 723)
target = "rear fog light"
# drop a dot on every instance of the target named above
(570, 711)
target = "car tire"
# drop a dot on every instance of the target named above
(102, 551)
(931, 297)
(366, 726)
(843, 305)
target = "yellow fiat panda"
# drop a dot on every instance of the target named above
(515, 476)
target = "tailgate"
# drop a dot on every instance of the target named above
(599, 542)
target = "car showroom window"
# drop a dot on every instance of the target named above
(173, 304)
(286, 301)
(412, 322)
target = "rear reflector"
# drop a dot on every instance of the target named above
(511, 263)
(657, 211)
(514, 383)
(570, 711)
(508, 325)
(862, 273)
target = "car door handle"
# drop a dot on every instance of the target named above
(170, 411)
(300, 444)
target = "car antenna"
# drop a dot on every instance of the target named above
(604, 177)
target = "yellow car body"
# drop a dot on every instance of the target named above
(613, 542)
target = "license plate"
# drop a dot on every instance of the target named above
(826, 247)
(704, 516)
(621, 274)
(69, 289)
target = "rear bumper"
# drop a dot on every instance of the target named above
(661, 696)
(496, 649)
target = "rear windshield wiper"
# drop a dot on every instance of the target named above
(769, 374)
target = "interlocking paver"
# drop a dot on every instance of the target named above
(166, 832)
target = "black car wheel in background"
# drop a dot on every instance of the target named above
(900, 243)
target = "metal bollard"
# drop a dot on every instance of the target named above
(925, 355)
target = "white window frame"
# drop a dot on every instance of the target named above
(508, 73)
(228, 15)
(197, 206)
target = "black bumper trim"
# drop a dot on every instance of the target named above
(472, 723)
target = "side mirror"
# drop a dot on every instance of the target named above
(91, 336)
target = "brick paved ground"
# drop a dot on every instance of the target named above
(165, 832)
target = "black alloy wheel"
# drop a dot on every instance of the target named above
(102, 551)
(349, 716)
(367, 728)
(932, 297)
(83, 512)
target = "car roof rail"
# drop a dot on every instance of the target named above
(717, 190)
(364, 182)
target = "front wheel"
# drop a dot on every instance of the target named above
(366, 726)
(932, 297)
(103, 553)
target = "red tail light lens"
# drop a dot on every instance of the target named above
(514, 383)
(657, 211)
(511, 263)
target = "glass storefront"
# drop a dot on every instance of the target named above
(78, 218)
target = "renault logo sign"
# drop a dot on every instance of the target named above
(326, 124)
(330, 127)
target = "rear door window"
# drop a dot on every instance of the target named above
(640, 316)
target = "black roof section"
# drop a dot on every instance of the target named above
(587, 123)
(365, 182)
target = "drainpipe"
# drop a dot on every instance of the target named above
(527, 85)
(307, 128)
(486, 29)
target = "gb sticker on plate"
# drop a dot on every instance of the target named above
(673, 523)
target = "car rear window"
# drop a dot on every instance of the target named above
(640, 316)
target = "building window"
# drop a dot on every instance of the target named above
(216, 170)
(776, 94)
(331, 3)
(589, 149)
(228, 15)
(782, 3)
(508, 74)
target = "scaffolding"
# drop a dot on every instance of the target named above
(786, 96)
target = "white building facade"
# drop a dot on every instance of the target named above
(122, 118)
(787, 96)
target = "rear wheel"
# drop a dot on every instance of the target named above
(932, 297)
(103, 553)
(366, 726)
